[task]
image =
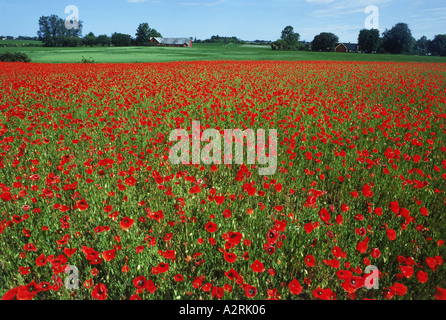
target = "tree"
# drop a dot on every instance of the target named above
(324, 41)
(368, 40)
(398, 39)
(72, 42)
(289, 40)
(52, 31)
(422, 46)
(121, 40)
(89, 39)
(144, 33)
(103, 40)
(438, 45)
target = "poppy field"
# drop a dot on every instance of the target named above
(92, 208)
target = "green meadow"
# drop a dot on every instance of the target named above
(199, 52)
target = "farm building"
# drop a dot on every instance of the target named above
(172, 42)
(347, 47)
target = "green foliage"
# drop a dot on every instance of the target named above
(72, 42)
(324, 42)
(289, 40)
(144, 33)
(89, 40)
(103, 40)
(14, 57)
(438, 45)
(422, 46)
(121, 40)
(53, 33)
(219, 39)
(85, 60)
(368, 40)
(398, 39)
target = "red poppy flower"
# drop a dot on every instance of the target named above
(310, 261)
(250, 291)
(161, 268)
(232, 274)
(234, 237)
(195, 189)
(109, 255)
(211, 227)
(432, 263)
(367, 191)
(324, 215)
(178, 278)
(41, 261)
(257, 266)
(99, 292)
(362, 245)
(82, 205)
(126, 223)
(29, 247)
(395, 207)
(352, 284)
(150, 286)
(270, 249)
(378, 211)
(131, 181)
(399, 289)
(375, 253)
(207, 287)
(391, 234)
(295, 287)
(140, 283)
(217, 292)
(422, 276)
(230, 257)
(27, 292)
(424, 212)
(69, 252)
(227, 213)
(219, 199)
(308, 227)
(11, 294)
(339, 219)
(440, 293)
(407, 271)
(198, 281)
(324, 294)
(272, 236)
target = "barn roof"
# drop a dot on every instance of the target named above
(172, 40)
(349, 46)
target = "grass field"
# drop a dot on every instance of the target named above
(200, 52)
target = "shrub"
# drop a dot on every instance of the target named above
(85, 60)
(14, 57)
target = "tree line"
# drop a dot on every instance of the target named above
(398, 40)
(53, 33)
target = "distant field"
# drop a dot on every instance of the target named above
(199, 52)
(20, 43)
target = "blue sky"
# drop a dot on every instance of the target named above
(245, 19)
